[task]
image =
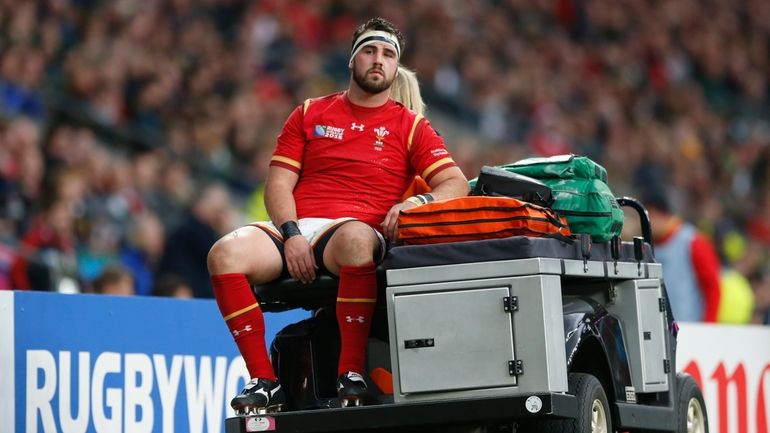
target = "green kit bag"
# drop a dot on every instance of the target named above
(580, 191)
(559, 166)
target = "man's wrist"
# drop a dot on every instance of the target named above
(421, 199)
(427, 198)
(289, 229)
(415, 200)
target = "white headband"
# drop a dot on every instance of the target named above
(370, 37)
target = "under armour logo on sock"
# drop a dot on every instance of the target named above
(357, 127)
(359, 319)
(246, 328)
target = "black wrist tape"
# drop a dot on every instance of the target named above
(426, 198)
(289, 229)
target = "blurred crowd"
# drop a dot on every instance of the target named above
(133, 133)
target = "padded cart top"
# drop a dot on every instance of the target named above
(515, 247)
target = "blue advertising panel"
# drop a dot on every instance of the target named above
(94, 363)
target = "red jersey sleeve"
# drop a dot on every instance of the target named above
(428, 154)
(18, 274)
(706, 264)
(290, 149)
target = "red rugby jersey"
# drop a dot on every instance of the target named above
(356, 161)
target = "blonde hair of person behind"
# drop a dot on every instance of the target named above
(406, 90)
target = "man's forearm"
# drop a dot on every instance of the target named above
(279, 195)
(279, 202)
(449, 189)
(454, 185)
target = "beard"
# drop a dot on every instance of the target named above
(371, 85)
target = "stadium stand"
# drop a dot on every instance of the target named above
(113, 112)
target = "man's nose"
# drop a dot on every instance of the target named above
(379, 57)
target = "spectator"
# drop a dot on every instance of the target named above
(20, 75)
(755, 267)
(741, 259)
(21, 166)
(736, 299)
(176, 193)
(98, 249)
(142, 250)
(46, 259)
(8, 242)
(114, 281)
(173, 287)
(187, 248)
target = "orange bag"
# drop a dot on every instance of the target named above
(478, 217)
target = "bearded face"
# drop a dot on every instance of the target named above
(373, 80)
(374, 67)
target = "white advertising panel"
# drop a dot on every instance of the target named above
(732, 366)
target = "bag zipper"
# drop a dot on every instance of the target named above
(582, 213)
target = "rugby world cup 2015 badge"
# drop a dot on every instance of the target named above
(381, 133)
(328, 132)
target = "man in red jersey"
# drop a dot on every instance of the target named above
(333, 192)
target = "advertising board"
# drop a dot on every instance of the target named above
(93, 363)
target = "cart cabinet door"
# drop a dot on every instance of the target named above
(454, 340)
(639, 308)
(653, 333)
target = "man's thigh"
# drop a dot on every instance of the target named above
(353, 244)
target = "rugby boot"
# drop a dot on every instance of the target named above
(351, 389)
(259, 396)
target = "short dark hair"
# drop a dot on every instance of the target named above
(379, 23)
(167, 285)
(655, 197)
(112, 274)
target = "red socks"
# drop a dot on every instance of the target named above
(245, 320)
(356, 297)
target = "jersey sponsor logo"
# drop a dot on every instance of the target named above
(328, 132)
(356, 127)
(439, 152)
(381, 133)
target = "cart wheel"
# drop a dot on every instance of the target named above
(691, 410)
(593, 410)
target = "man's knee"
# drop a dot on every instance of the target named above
(223, 254)
(247, 250)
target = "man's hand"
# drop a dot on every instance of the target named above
(390, 225)
(300, 261)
